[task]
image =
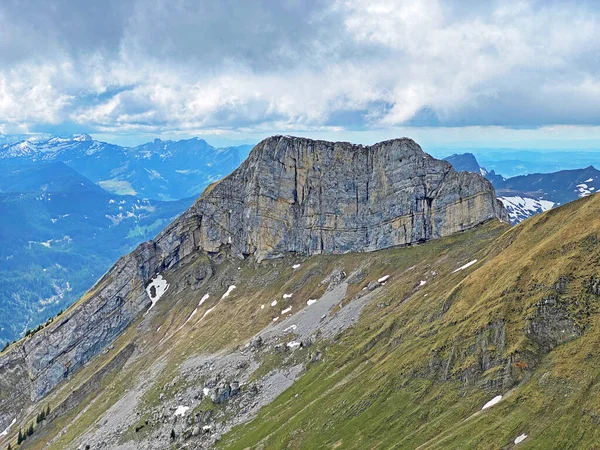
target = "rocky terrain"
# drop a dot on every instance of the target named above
(312, 197)
(291, 195)
(461, 332)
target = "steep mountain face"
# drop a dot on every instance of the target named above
(59, 233)
(527, 195)
(312, 197)
(502, 356)
(161, 170)
(292, 196)
(467, 162)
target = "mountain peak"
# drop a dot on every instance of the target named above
(65, 140)
(290, 138)
(82, 137)
(465, 162)
(335, 197)
(292, 196)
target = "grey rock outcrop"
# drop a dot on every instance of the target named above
(312, 197)
(290, 195)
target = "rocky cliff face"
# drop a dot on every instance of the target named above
(312, 197)
(34, 366)
(291, 195)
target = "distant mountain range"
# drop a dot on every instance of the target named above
(160, 170)
(466, 162)
(527, 195)
(512, 162)
(58, 233)
(69, 207)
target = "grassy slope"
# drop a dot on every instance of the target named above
(239, 317)
(379, 387)
(422, 360)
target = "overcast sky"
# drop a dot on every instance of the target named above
(443, 71)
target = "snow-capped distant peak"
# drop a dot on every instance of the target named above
(520, 208)
(81, 137)
(24, 148)
(42, 147)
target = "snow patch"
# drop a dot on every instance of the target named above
(492, 402)
(188, 319)
(520, 208)
(275, 319)
(383, 279)
(156, 289)
(311, 301)
(293, 344)
(287, 295)
(229, 291)
(286, 310)
(205, 391)
(207, 311)
(520, 438)
(467, 265)
(274, 303)
(422, 283)
(203, 299)
(589, 180)
(181, 410)
(583, 190)
(5, 432)
(262, 306)
(290, 328)
(296, 266)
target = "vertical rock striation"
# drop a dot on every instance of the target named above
(312, 197)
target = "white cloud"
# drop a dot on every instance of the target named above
(302, 66)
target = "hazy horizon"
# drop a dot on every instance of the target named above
(434, 143)
(451, 74)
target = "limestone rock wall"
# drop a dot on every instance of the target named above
(311, 197)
